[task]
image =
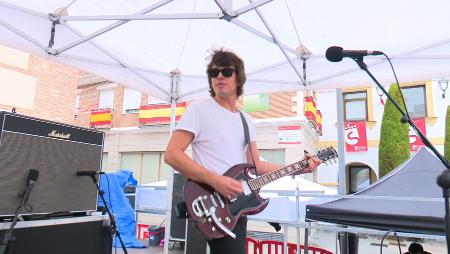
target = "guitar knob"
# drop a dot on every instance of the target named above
(213, 229)
(220, 219)
(209, 220)
(227, 219)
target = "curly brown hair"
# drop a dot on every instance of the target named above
(224, 58)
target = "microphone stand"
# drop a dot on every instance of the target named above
(443, 180)
(114, 230)
(5, 244)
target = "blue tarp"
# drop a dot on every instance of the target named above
(113, 184)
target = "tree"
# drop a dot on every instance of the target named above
(394, 135)
(447, 135)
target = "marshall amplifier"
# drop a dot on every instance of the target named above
(57, 151)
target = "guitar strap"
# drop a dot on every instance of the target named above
(247, 137)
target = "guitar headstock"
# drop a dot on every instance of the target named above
(327, 154)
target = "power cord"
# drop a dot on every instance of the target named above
(398, 241)
(400, 90)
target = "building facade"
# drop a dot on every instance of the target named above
(37, 87)
(364, 106)
(135, 142)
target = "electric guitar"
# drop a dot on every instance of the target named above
(216, 216)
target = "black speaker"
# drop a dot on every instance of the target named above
(86, 235)
(177, 225)
(57, 151)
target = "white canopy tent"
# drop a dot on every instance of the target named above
(159, 46)
(139, 43)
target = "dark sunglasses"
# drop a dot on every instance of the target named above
(226, 72)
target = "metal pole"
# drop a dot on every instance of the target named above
(174, 88)
(342, 187)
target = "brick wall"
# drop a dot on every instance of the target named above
(281, 105)
(55, 92)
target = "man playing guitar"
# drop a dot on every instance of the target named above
(215, 131)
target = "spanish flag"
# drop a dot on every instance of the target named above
(101, 118)
(310, 108)
(319, 120)
(159, 113)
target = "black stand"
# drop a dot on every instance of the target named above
(443, 180)
(114, 230)
(5, 244)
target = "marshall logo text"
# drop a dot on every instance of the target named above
(55, 134)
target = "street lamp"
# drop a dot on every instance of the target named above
(443, 84)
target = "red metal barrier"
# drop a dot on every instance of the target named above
(277, 247)
(292, 249)
(251, 246)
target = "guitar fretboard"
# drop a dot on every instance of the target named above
(262, 180)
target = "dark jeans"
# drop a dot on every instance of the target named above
(227, 245)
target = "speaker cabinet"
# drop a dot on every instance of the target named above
(177, 225)
(57, 151)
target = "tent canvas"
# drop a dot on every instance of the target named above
(420, 211)
(159, 47)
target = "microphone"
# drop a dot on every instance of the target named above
(33, 175)
(89, 173)
(335, 53)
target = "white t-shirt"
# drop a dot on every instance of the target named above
(219, 139)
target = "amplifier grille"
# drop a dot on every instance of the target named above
(58, 188)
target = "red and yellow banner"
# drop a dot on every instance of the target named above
(310, 108)
(319, 120)
(355, 136)
(414, 141)
(101, 118)
(159, 114)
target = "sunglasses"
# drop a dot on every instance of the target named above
(226, 72)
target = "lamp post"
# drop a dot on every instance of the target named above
(443, 85)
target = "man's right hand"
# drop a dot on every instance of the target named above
(227, 186)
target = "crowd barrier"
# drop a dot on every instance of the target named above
(254, 246)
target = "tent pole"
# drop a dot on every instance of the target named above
(169, 184)
(262, 35)
(278, 43)
(23, 35)
(251, 6)
(342, 186)
(112, 26)
(175, 82)
(126, 66)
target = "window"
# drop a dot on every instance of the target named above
(415, 100)
(131, 100)
(106, 99)
(355, 106)
(154, 100)
(359, 178)
(274, 156)
(77, 105)
(146, 167)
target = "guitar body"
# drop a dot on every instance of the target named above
(207, 208)
(215, 216)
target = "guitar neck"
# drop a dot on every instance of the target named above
(297, 167)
